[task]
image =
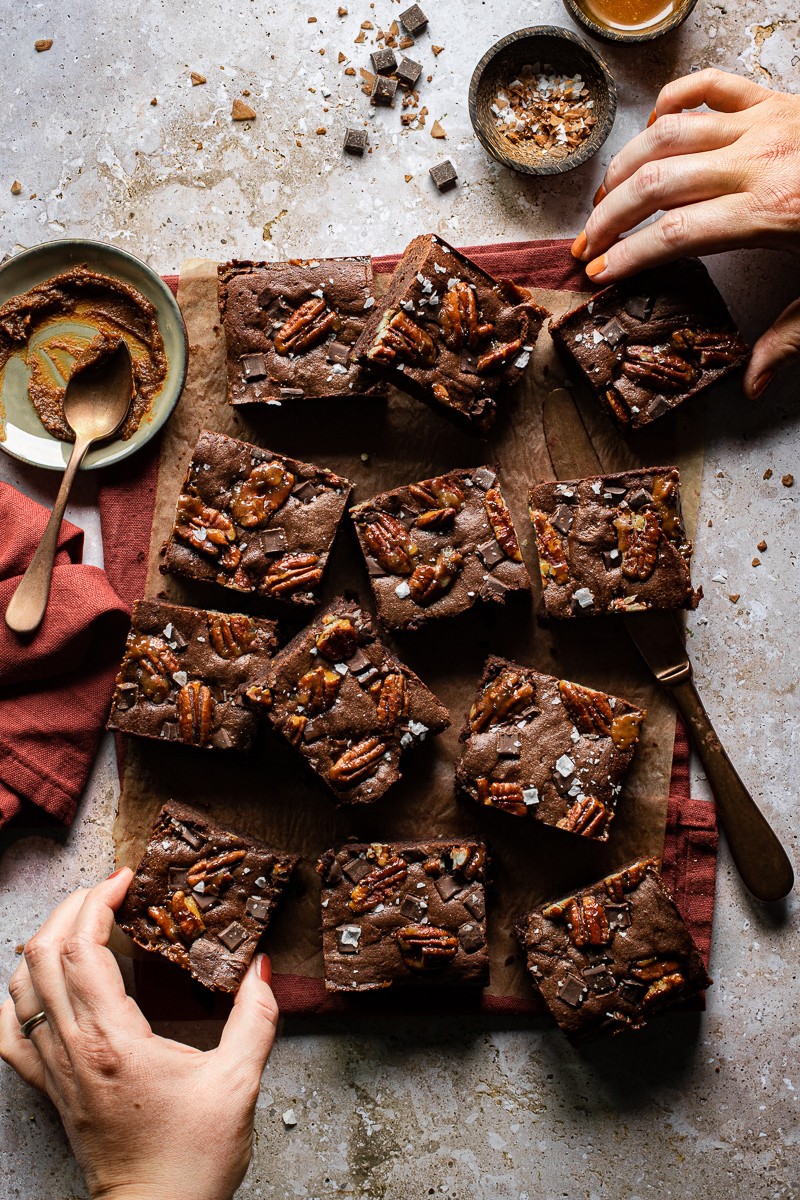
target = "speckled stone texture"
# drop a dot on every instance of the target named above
(400, 1110)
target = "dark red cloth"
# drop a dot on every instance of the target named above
(55, 688)
(690, 849)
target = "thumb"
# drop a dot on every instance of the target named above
(773, 350)
(250, 1029)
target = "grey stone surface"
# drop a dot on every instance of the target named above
(406, 1109)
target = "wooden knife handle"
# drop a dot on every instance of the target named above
(760, 859)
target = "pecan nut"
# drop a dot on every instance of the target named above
(338, 639)
(664, 977)
(266, 488)
(317, 689)
(711, 349)
(426, 948)
(389, 543)
(435, 518)
(504, 795)
(307, 326)
(618, 405)
(357, 763)
(587, 923)
(155, 665)
(405, 340)
(589, 711)
(294, 727)
(376, 887)
(657, 368)
(459, 319)
(292, 573)
(208, 531)
(666, 497)
(163, 919)
(195, 706)
(509, 694)
(587, 816)
(188, 916)
(214, 873)
(469, 860)
(496, 359)
(429, 581)
(552, 553)
(502, 525)
(392, 700)
(625, 730)
(444, 491)
(231, 636)
(638, 537)
(627, 880)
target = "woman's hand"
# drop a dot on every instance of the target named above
(725, 179)
(148, 1118)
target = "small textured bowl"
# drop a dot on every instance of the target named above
(567, 54)
(672, 20)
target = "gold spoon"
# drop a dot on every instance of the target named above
(96, 402)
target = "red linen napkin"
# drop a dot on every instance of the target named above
(55, 688)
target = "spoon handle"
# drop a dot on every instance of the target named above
(27, 606)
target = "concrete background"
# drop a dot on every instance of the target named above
(465, 1109)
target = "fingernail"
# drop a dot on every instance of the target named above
(762, 383)
(596, 267)
(114, 874)
(651, 118)
(264, 968)
(599, 195)
(579, 245)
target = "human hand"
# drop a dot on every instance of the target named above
(726, 179)
(148, 1118)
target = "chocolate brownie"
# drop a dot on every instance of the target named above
(202, 896)
(608, 957)
(409, 913)
(437, 547)
(290, 329)
(351, 709)
(613, 543)
(184, 674)
(449, 334)
(544, 748)
(255, 521)
(650, 342)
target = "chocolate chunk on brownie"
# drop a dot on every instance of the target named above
(408, 913)
(255, 521)
(613, 543)
(350, 708)
(290, 329)
(648, 343)
(202, 896)
(449, 334)
(435, 548)
(612, 955)
(184, 675)
(547, 749)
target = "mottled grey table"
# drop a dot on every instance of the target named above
(458, 1108)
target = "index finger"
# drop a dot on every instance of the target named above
(718, 90)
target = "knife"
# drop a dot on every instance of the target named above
(759, 856)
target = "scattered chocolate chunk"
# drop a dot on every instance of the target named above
(408, 72)
(444, 175)
(356, 869)
(414, 20)
(572, 991)
(383, 91)
(254, 366)
(508, 745)
(639, 307)
(562, 518)
(233, 935)
(471, 936)
(484, 478)
(258, 907)
(384, 61)
(639, 499)
(612, 331)
(413, 908)
(355, 141)
(338, 352)
(447, 887)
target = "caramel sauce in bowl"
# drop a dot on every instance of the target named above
(629, 20)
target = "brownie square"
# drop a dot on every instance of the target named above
(449, 334)
(350, 708)
(184, 674)
(290, 329)
(613, 543)
(255, 521)
(435, 548)
(408, 913)
(652, 341)
(202, 896)
(612, 955)
(547, 749)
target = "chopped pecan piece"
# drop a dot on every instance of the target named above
(195, 706)
(260, 695)
(666, 500)
(711, 349)
(494, 359)
(318, 688)
(208, 531)
(587, 816)
(587, 923)
(357, 763)
(307, 326)
(505, 795)
(589, 711)
(663, 976)
(625, 730)
(638, 535)
(618, 405)
(188, 915)
(429, 581)
(435, 518)
(165, 923)
(552, 556)
(214, 873)
(295, 727)
(338, 640)
(292, 573)
(627, 880)
(469, 860)
(426, 948)
(390, 543)
(502, 526)
(508, 694)
(261, 494)
(155, 665)
(433, 866)
(442, 492)
(376, 887)
(231, 636)
(657, 368)
(404, 339)
(392, 700)
(458, 317)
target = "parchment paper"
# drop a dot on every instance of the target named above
(381, 444)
